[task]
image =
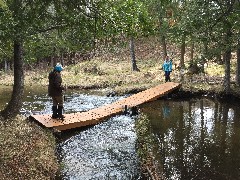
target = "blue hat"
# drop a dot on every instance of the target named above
(58, 67)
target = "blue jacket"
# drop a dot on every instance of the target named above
(167, 65)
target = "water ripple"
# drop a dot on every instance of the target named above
(106, 151)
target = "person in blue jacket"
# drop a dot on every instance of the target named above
(167, 67)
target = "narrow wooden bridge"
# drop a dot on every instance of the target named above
(95, 116)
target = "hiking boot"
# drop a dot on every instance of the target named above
(54, 110)
(60, 115)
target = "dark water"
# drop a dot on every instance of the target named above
(197, 139)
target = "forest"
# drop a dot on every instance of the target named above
(35, 32)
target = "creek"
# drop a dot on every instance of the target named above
(195, 138)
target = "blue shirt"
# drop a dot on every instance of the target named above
(167, 65)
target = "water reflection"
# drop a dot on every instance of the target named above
(198, 139)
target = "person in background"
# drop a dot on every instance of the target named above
(55, 90)
(167, 67)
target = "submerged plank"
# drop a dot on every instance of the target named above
(95, 116)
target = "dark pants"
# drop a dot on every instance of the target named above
(167, 76)
(57, 100)
(57, 107)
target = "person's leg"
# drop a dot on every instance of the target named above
(166, 76)
(60, 107)
(169, 76)
(54, 108)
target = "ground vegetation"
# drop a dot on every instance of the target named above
(27, 151)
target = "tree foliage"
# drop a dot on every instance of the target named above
(37, 29)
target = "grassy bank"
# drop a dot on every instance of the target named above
(116, 75)
(27, 151)
(112, 70)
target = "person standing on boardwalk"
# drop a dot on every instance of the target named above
(167, 68)
(55, 90)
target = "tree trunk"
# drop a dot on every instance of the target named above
(5, 65)
(226, 59)
(14, 106)
(164, 45)
(205, 54)
(183, 49)
(238, 64)
(162, 36)
(133, 57)
(192, 52)
(219, 58)
(62, 57)
(182, 66)
(53, 58)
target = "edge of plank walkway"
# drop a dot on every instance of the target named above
(95, 116)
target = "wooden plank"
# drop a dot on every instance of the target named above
(95, 116)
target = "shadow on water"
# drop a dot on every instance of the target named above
(197, 139)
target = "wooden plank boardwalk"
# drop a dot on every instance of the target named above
(95, 116)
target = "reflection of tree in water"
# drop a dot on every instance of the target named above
(199, 139)
(235, 145)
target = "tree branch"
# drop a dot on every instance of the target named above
(3, 52)
(224, 13)
(50, 28)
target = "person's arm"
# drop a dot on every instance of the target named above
(163, 66)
